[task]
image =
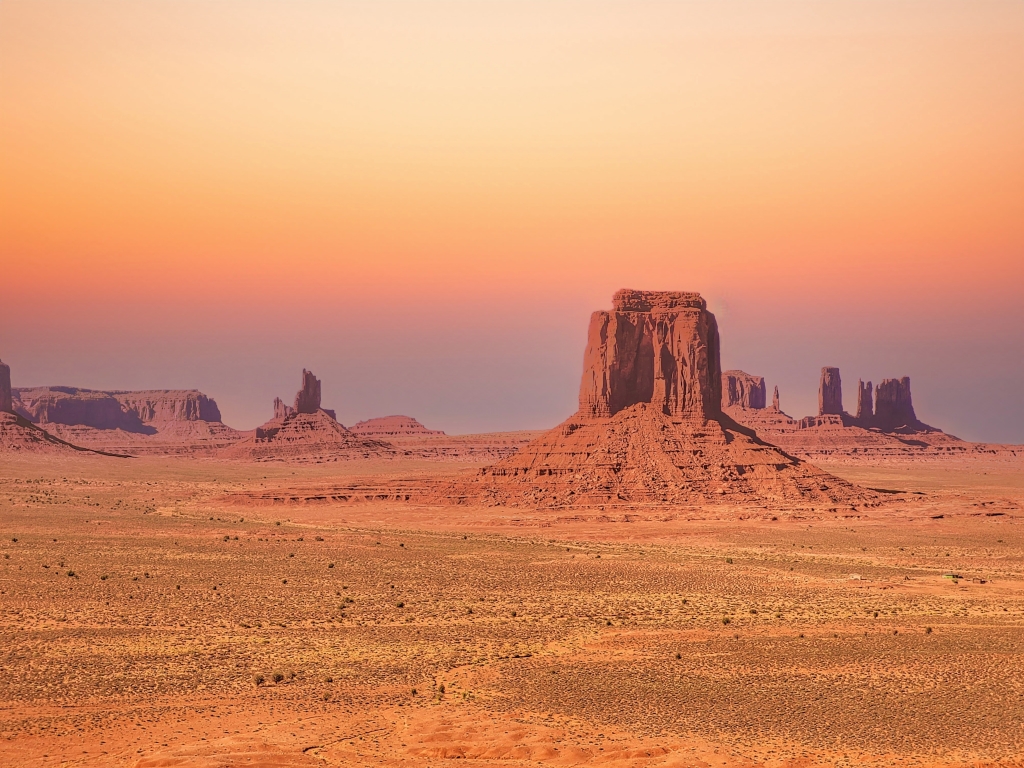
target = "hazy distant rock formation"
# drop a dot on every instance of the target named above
(884, 425)
(136, 422)
(306, 433)
(18, 434)
(392, 427)
(650, 428)
(307, 399)
(894, 407)
(775, 399)
(830, 392)
(741, 390)
(5, 388)
(864, 412)
(281, 409)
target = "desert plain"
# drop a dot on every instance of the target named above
(166, 611)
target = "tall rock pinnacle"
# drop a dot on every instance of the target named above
(830, 392)
(5, 388)
(307, 400)
(865, 411)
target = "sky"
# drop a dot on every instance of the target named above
(423, 201)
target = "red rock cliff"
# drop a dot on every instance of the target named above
(308, 398)
(742, 390)
(658, 347)
(894, 407)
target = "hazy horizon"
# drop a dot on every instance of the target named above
(424, 202)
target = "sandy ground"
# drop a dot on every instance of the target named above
(150, 617)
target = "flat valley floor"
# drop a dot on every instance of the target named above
(150, 616)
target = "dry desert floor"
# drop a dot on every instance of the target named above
(151, 616)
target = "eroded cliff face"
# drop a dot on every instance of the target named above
(656, 347)
(141, 411)
(6, 404)
(742, 390)
(865, 410)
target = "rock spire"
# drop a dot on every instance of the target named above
(865, 410)
(5, 388)
(307, 400)
(830, 392)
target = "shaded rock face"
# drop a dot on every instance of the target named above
(656, 347)
(143, 411)
(775, 399)
(6, 405)
(830, 392)
(741, 390)
(865, 410)
(894, 407)
(308, 398)
(281, 409)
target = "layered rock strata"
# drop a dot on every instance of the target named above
(650, 428)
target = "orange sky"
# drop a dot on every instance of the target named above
(839, 178)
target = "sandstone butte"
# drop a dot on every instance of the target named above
(19, 435)
(391, 427)
(650, 428)
(306, 432)
(162, 421)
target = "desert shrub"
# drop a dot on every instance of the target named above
(259, 680)
(103, 577)
(276, 676)
(319, 538)
(71, 574)
(679, 656)
(330, 565)
(927, 630)
(726, 620)
(728, 560)
(400, 605)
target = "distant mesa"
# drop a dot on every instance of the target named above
(19, 435)
(650, 428)
(392, 427)
(306, 432)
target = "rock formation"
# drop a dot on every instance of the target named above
(307, 400)
(650, 428)
(653, 347)
(830, 392)
(741, 390)
(775, 399)
(281, 409)
(5, 388)
(865, 411)
(135, 422)
(894, 408)
(391, 427)
(306, 433)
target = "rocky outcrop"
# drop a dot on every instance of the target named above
(160, 406)
(775, 399)
(741, 390)
(650, 428)
(306, 433)
(830, 392)
(653, 347)
(281, 409)
(894, 407)
(307, 400)
(6, 405)
(392, 427)
(154, 422)
(865, 410)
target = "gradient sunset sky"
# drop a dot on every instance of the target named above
(423, 201)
